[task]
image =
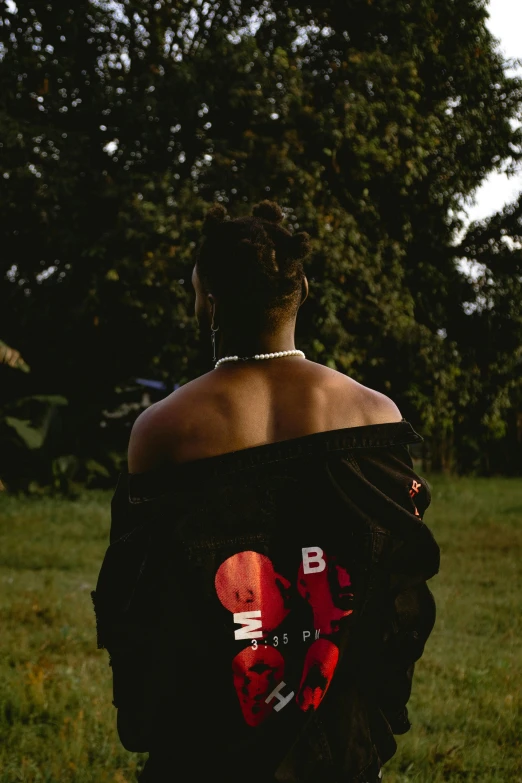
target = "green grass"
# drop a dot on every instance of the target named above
(57, 722)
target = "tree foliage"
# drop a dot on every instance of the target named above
(372, 124)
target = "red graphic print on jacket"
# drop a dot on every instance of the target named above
(256, 673)
(258, 597)
(326, 591)
(319, 666)
(247, 582)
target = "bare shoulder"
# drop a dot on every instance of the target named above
(157, 428)
(378, 408)
(145, 440)
(366, 406)
(184, 417)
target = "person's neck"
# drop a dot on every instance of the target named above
(236, 344)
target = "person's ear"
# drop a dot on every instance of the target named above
(304, 293)
(211, 306)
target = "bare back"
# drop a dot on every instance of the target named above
(240, 406)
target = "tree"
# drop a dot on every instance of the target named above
(489, 430)
(370, 123)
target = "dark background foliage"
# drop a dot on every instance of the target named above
(370, 123)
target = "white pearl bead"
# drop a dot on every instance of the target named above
(273, 355)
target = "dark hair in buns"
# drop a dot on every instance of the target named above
(252, 263)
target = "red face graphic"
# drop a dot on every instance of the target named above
(248, 585)
(328, 594)
(319, 666)
(256, 674)
(247, 582)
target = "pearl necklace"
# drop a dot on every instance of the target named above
(275, 355)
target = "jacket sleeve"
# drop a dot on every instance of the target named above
(405, 556)
(119, 574)
(408, 622)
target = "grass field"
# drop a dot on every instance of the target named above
(57, 722)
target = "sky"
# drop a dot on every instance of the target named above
(505, 23)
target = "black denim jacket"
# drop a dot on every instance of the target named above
(263, 609)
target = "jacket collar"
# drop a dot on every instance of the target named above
(315, 444)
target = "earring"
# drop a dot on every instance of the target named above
(213, 336)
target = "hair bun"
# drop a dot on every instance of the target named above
(268, 210)
(214, 218)
(299, 245)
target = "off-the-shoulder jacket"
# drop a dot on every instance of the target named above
(263, 609)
